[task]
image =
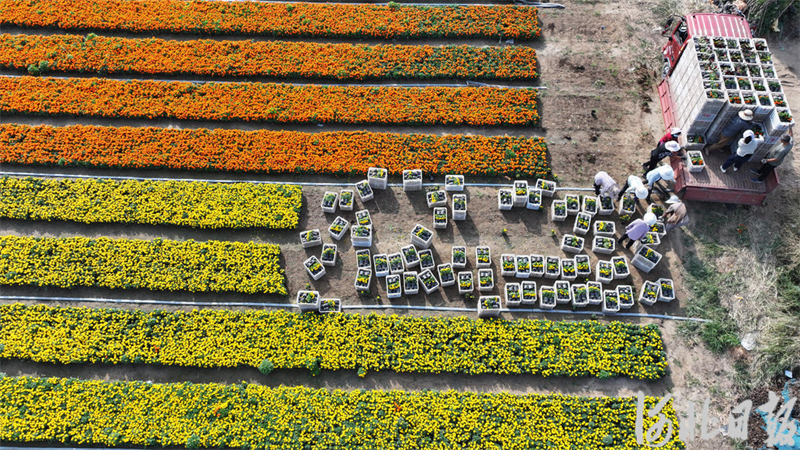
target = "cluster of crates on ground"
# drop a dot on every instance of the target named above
(718, 77)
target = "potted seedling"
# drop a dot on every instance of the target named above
(338, 228)
(505, 199)
(330, 305)
(628, 205)
(621, 270)
(310, 238)
(488, 306)
(421, 236)
(582, 221)
(428, 281)
(446, 275)
(459, 257)
(534, 199)
(346, 200)
(547, 297)
(426, 260)
(410, 256)
(537, 265)
(568, 271)
(393, 287)
(590, 205)
(529, 293)
(606, 206)
(361, 235)
(563, 292)
(605, 272)
(377, 177)
(695, 161)
(436, 198)
(659, 228)
(459, 207)
(523, 266)
(604, 228)
(520, 193)
(308, 300)
(396, 266)
(572, 244)
(552, 267)
(410, 283)
(603, 245)
(580, 297)
(610, 302)
(548, 188)
(666, 290)
(483, 257)
(513, 294)
(573, 204)
(363, 279)
(595, 292)
(650, 239)
(657, 210)
(363, 217)
(559, 211)
(381, 263)
(454, 183)
(412, 180)
(314, 268)
(508, 263)
(439, 218)
(465, 285)
(364, 190)
(328, 256)
(649, 294)
(583, 266)
(625, 296)
(362, 259)
(485, 280)
(329, 202)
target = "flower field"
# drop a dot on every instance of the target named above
(219, 338)
(134, 264)
(301, 19)
(271, 151)
(255, 417)
(190, 204)
(279, 103)
(98, 54)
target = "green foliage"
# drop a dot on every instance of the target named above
(193, 442)
(266, 367)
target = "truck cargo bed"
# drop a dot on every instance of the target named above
(711, 185)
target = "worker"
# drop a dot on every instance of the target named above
(662, 151)
(732, 130)
(659, 173)
(604, 185)
(741, 151)
(633, 184)
(671, 136)
(675, 216)
(637, 229)
(774, 158)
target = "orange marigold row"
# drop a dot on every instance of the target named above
(271, 151)
(96, 54)
(275, 19)
(267, 102)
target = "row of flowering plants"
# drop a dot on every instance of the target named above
(340, 152)
(283, 19)
(248, 416)
(159, 264)
(219, 338)
(183, 203)
(268, 102)
(112, 55)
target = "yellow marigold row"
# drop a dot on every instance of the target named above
(215, 338)
(190, 204)
(246, 416)
(133, 264)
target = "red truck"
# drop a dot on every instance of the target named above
(711, 184)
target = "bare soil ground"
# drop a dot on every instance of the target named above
(594, 57)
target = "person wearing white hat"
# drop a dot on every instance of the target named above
(742, 151)
(675, 216)
(637, 229)
(671, 136)
(668, 148)
(635, 185)
(732, 131)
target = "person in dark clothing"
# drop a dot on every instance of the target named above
(732, 131)
(661, 152)
(774, 158)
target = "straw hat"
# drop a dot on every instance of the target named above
(746, 115)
